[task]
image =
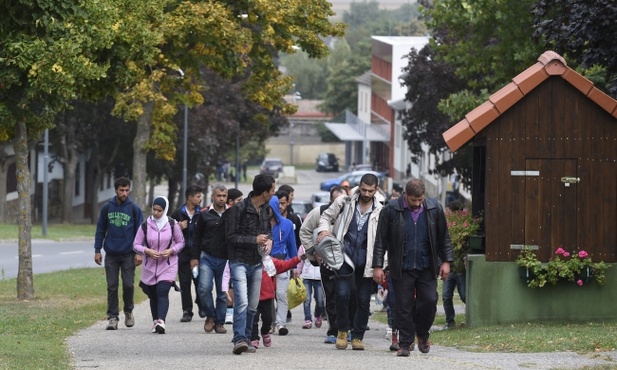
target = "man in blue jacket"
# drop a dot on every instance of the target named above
(118, 223)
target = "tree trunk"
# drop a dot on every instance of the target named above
(138, 188)
(25, 287)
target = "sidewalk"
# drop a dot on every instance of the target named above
(186, 345)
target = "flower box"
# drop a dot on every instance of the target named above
(576, 267)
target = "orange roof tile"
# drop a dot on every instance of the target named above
(549, 64)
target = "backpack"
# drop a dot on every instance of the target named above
(144, 227)
(332, 251)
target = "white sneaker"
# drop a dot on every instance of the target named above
(229, 316)
(154, 326)
(389, 334)
(160, 326)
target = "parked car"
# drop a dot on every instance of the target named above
(271, 166)
(320, 198)
(361, 167)
(326, 162)
(353, 178)
(302, 208)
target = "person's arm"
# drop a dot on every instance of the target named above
(179, 242)
(381, 243)
(200, 228)
(282, 266)
(310, 223)
(329, 216)
(138, 243)
(290, 243)
(99, 236)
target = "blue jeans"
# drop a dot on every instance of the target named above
(364, 289)
(246, 280)
(313, 285)
(123, 264)
(453, 279)
(211, 270)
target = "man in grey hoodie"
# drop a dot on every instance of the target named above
(118, 223)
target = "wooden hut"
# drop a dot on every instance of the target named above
(545, 168)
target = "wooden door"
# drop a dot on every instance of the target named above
(550, 204)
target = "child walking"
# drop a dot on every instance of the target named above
(311, 277)
(266, 300)
(160, 245)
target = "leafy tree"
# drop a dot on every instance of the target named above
(584, 32)
(428, 82)
(48, 54)
(309, 74)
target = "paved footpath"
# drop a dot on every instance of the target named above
(186, 345)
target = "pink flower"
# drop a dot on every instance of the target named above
(583, 254)
(560, 251)
(465, 224)
(566, 254)
(579, 282)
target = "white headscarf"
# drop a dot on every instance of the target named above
(164, 203)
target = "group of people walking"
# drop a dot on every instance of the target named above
(224, 247)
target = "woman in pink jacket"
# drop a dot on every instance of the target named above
(160, 245)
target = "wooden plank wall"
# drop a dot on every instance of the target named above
(554, 121)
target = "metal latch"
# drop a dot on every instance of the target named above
(567, 180)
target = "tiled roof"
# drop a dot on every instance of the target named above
(549, 64)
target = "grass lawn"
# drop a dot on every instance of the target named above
(56, 232)
(591, 338)
(33, 333)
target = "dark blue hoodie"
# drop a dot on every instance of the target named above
(117, 227)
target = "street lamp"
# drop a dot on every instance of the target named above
(185, 144)
(237, 155)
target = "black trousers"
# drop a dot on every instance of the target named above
(415, 297)
(328, 283)
(264, 310)
(185, 275)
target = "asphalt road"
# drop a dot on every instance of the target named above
(48, 256)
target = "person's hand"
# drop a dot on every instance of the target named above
(98, 258)
(194, 263)
(444, 270)
(267, 246)
(166, 253)
(138, 259)
(321, 235)
(378, 275)
(184, 224)
(152, 253)
(261, 239)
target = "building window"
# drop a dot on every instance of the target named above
(77, 179)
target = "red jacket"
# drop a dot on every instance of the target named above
(268, 284)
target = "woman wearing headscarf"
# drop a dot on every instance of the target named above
(159, 240)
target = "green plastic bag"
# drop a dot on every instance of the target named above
(296, 293)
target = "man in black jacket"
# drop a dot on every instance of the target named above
(413, 231)
(211, 258)
(249, 234)
(187, 216)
